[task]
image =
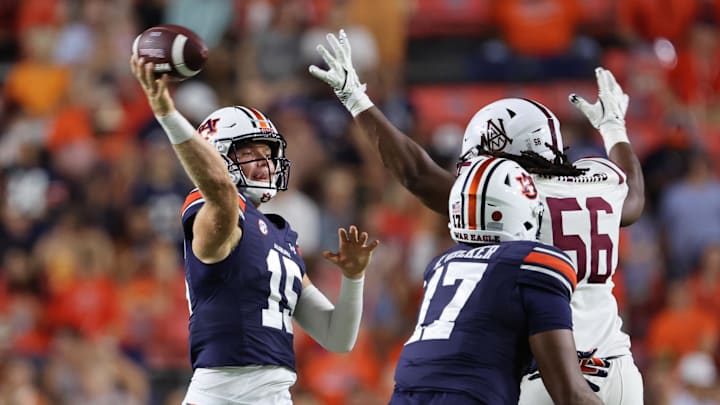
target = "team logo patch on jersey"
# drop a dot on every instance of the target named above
(495, 138)
(263, 227)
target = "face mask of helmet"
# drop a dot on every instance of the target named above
(512, 125)
(494, 200)
(230, 128)
(277, 171)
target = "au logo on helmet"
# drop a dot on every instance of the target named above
(495, 137)
(266, 197)
(208, 128)
(527, 185)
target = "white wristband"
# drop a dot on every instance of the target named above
(176, 127)
(612, 135)
(358, 101)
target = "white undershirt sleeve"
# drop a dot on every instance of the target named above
(335, 327)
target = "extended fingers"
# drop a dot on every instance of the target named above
(599, 78)
(344, 42)
(133, 62)
(342, 37)
(147, 75)
(363, 238)
(353, 237)
(335, 45)
(610, 78)
(331, 256)
(609, 87)
(323, 75)
(143, 72)
(616, 90)
(137, 66)
(326, 56)
(601, 81)
(343, 235)
(162, 83)
(609, 84)
(152, 85)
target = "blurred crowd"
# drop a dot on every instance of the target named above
(92, 295)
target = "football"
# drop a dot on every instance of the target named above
(173, 49)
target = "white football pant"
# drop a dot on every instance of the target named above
(622, 386)
(249, 385)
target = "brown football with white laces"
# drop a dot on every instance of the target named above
(173, 49)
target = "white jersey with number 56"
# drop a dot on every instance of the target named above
(582, 217)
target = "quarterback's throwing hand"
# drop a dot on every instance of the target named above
(341, 74)
(353, 253)
(155, 89)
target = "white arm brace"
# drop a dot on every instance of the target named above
(176, 126)
(335, 327)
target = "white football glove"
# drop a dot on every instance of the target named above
(341, 75)
(608, 113)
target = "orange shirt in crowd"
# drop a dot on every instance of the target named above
(33, 13)
(333, 376)
(538, 27)
(652, 19)
(37, 88)
(678, 332)
(89, 305)
(695, 79)
(707, 295)
(72, 125)
(155, 317)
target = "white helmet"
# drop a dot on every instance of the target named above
(230, 127)
(494, 200)
(512, 125)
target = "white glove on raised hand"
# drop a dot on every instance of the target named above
(608, 113)
(341, 75)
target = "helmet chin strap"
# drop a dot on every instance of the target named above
(259, 191)
(256, 191)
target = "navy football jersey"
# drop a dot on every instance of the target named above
(241, 307)
(480, 306)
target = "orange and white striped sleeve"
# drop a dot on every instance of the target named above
(548, 266)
